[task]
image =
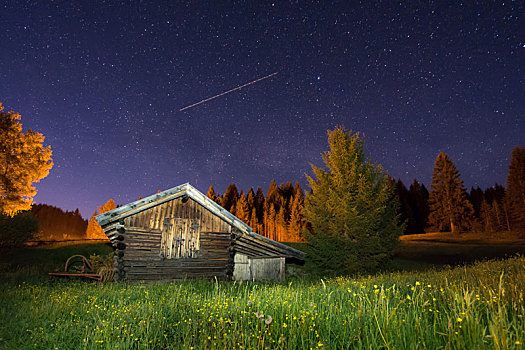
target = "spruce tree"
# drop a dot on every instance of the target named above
(273, 196)
(405, 211)
(450, 208)
(515, 194)
(476, 197)
(269, 222)
(230, 197)
(211, 194)
(242, 211)
(494, 193)
(297, 221)
(353, 217)
(250, 198)
(488, 217)
(259, 204)
(281, 225)
(419, 200)
(254, 222)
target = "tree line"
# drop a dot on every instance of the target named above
(446, 207)
(449, 207)
(278, 215)
(55, 224)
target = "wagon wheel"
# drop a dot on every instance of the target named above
(86, 266)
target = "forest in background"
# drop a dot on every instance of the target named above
(279, 215)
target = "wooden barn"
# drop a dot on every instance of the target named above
(181, 233)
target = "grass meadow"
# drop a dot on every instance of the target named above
(469, 307)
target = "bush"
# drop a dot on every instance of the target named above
(16, 230)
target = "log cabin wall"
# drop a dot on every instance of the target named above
(181, 233)
(142, 258)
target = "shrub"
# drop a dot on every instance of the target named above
(16, 230)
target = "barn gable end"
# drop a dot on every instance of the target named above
(180, 233)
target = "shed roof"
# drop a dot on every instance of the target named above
(115, 215)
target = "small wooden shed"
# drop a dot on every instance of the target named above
(181, 233)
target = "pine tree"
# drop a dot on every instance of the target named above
(23, 161)
(250, 198)
(494, 193)
(419, 199)
(487, 217)
(297, 221)
(259, 204)
(254, 221)
(353, 217)
(242, 211)
(94, 231)
(450, 208)
(405, 211)
(280, 226)
(273, 196)
(269, 222)
(211, 194)
(497, 212)
(515, 194)
(476, 197)
(230, 197)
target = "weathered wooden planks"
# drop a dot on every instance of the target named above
(247, 268)
(186, 236)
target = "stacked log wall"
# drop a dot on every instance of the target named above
(137, 240)
(141, 259)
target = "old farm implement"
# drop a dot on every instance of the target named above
(78, 266)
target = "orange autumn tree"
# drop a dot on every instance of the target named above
(94, 231)
(23, 161)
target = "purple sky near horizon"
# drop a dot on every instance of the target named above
(104, 82)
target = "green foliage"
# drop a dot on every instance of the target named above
(350, 208)
(23, 161)
(450, 208)
(297, 220)
(477, 307)
(16, 230)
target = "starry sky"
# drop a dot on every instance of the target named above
(104, 82)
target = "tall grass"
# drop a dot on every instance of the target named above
(473, 307)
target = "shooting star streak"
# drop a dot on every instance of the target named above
(227, 92)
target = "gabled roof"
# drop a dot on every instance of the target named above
(115, 215)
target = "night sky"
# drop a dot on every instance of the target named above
(104, 82)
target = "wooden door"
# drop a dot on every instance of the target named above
(180, 238)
